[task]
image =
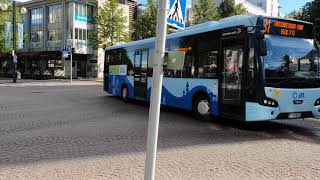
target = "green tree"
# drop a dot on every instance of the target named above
(205, 10)
(146, 23)
(110, 26)
(294, 15)
(6, 16)
(229, 8)
(309, 12)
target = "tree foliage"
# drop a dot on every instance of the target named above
(205, 10)
(294, 14)
(229, 8)
(110, 26)
(6, 16)
(146, 23)
(309, 12)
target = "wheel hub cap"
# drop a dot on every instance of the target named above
(124, 93)
(203, 107)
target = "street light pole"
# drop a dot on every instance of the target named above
(71, 54)
(14, 76)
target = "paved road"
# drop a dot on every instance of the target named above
(81, 133)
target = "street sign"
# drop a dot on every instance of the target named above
(65, 52)
(177, 13)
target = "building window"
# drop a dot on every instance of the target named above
(85, 34)
(36, 24)
(55, 26)
(76, 34)
(80, 34)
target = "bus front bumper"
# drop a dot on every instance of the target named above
(257, 112)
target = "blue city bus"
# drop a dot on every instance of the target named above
(248, 68)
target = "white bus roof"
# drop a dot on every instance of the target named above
(240, 20)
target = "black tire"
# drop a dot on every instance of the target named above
(125, 94)
(202, 108)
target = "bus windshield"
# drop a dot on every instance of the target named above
(291, 58)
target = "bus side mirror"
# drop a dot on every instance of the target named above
(262, 47)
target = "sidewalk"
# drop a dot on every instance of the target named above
(5, 82)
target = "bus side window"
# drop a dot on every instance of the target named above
(128, 59)
(106, 62)
(206, 54)
(114, 57)
(188, 68)
(251, 64)
(251, 79)
(207, 67)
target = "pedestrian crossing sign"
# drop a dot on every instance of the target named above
(177, 13)
(65, 52)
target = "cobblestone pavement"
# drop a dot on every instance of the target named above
(79, 132)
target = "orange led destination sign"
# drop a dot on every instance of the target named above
(288, 28)
(288, 25)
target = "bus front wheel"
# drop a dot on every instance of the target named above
(124, 94)
(202, 108)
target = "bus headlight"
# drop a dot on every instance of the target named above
(270, 102)
(317, 103)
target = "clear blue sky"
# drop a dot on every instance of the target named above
(290, 5)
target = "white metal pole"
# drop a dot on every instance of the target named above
(71, 67)
(154, 111)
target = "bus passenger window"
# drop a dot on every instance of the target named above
(188, 68)
(130, 62)
(114, 57)
(207, 67)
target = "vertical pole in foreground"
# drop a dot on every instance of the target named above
(71, 54)
(14, 74)
(154, 111)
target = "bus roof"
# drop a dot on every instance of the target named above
(239, 20)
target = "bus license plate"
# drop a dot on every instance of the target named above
(294, 115)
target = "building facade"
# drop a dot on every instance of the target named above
(50, 26)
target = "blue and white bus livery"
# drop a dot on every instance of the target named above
(249, 68)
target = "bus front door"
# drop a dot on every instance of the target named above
(231, 105)
(140, 74)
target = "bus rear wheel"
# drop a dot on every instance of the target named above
(124, 94)
(202, 108)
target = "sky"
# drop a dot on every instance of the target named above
(289, 5)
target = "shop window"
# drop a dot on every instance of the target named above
(51, 63)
